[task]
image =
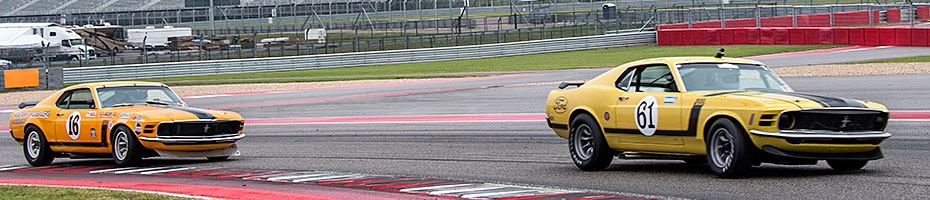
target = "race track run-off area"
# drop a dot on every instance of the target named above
(486, 137)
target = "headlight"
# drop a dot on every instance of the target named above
(880, 123)
(786, 122)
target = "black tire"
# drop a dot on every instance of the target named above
(41, 154)
(730, 153)
(847, 165)
(218, 158)
(124, 139)
(587, 146)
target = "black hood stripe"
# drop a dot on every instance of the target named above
(723, 93)
(826, 101)
(197, 112)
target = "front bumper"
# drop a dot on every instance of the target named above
(823, 135)
(202, 140)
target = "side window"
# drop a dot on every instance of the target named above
(52, 34)
(81, 99)
(63, 100)
(65, 43)
(656, 78)
(623, 83)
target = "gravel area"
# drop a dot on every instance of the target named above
(10, 98)
(869, 69)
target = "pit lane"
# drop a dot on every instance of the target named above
(529, 153)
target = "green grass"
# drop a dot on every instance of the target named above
(549, 61)
(59, 193)
(900, 60)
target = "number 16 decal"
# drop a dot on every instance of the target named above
(647, 115)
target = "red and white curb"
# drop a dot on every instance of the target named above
(410, 185)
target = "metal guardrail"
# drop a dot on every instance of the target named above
(213, 67)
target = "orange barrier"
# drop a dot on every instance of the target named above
(21, 78)
(867, 36)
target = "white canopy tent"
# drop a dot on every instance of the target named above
(11, 38)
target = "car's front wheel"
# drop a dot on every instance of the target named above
(36, 148)
(587, 146)
(729, 152)
(126, 148)
(847, 165)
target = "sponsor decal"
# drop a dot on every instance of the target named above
(109, 124)
(31, 114)
(125, 115)
(73, 125)
(121, 121)
(560, 105)
(93, 133)
(670, 100)
(18, 122)
(138, 128)
(91, 114)
(107, 115)
(646, 115)
(606, 116)
(138, 118)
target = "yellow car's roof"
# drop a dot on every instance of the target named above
(673, 60)
(114, 83)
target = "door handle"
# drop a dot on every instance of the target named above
(59, 114)
(623, 98)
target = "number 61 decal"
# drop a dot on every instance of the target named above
(646, 115)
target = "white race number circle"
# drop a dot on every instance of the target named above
(73, 125)
(646, 116)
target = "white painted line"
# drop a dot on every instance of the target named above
(13, 168)
(138, 170)
(463, 190)
(324, 178)
(6, 111)
(483, 195)
(270, 175)
(168, 170)
(315, 174)
(110, 170)
(433, 187)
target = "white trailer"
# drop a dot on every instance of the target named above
(154, 37)
(315, 35)
(59, 41)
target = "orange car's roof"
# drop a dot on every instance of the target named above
(114, 83)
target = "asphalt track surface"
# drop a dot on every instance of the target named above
(527, 152)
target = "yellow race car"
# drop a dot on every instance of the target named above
(730, 113)
(125, 120)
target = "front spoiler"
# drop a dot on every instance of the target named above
(228, 151)
(818, 135)
(869, 155)
(169, 141)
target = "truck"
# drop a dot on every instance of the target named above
(154, 38)
(315, 35)
(54, 40)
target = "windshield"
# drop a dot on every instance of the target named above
(131, 95)
(75, 42)
(727, 76)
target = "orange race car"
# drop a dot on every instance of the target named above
(125, 120)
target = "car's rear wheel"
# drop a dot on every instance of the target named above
(36, 148)
(587, 146)
(847, 165)
(729, 152)
(126, 148)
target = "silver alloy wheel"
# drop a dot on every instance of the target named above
(121, 145)
(722, 148)
(33, 143)
(584, 142)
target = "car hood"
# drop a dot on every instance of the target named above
(800, 100)
(172, 113)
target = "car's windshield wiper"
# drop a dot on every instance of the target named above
(123, 104)
(158, 102)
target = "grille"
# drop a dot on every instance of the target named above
(201, 129)
(833, 121)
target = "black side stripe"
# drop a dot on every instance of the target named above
(693, 118)
(103, 132)
(197, 112)
(78, 144)
(636, 132)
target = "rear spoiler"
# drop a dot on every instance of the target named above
(563, 85)
(27, 104)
